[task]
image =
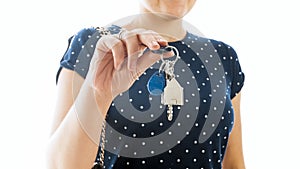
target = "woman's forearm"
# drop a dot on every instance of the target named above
(75, 143)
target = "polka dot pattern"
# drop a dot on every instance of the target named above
(137, 121)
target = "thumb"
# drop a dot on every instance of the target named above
(148, 58)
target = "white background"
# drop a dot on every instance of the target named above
(265, 34)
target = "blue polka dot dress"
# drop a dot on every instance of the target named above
(138, 132)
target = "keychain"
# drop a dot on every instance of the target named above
(157, 81)
(163, 82)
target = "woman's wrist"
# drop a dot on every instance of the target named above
(103, 101)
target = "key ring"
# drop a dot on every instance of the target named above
(169, 49)
(165, 62)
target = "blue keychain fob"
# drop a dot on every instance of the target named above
(156, 83)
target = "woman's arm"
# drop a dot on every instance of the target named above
(68, 87)
(234, 158)
(70, 146)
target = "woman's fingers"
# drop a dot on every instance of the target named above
(111, 44)
(137, 40)
(152, 40)
(118, 52)
(130, 44)
(133, 47)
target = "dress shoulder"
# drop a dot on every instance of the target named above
(228, 58)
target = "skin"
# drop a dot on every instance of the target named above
(169, 9)
(115, 66)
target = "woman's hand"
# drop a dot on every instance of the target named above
(119, 60)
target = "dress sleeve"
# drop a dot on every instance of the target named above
(81, 48)
(238, 76)
(76, 47)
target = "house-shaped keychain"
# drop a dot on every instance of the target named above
(173, 93)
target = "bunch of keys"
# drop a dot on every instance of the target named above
(163, 82)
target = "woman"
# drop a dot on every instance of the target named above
(108, 73)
